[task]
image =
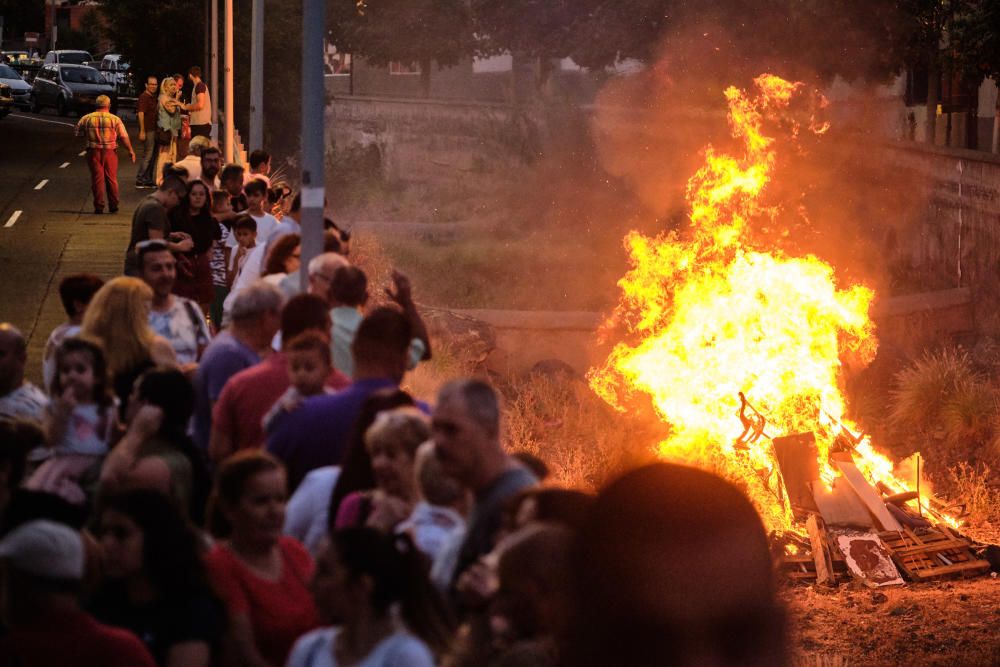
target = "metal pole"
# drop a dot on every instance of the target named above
(257, 76)
(214, 82)
(230, 138)
(206, 42)
(52, 39)
(313, 99)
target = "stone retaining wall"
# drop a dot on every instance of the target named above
(418, 141)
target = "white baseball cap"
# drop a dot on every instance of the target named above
(45, 549)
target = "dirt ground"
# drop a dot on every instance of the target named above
(955, 623)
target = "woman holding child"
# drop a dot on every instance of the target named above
(194, 268)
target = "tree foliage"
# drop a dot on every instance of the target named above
(975, 38)
(282, 72)
(406, 31)
(21, 16)
(158, 37)
(384, 31)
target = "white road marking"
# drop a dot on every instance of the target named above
(81, 154)
(64, 165)
(41, 184)
(42, 120)
(13, 218)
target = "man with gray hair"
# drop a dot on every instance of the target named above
(192, 161)
(321, 270)
(18, 399)
(103, 130)
(255, 318)
(466, 432)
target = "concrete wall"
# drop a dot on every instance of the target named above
(420, 140)
(957, 237)
(464, 82)
(520, 339)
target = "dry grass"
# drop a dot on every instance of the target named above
(582, 439)
(975, 486)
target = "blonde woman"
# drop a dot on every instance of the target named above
(168, 125)
(118, 316)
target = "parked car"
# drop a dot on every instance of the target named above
(69, 57)
(19, 89)
(118, 73)
(6, 101)
(13, 56)
(70, 88)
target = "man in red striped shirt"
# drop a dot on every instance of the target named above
(103, 130)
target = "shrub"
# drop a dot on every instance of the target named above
(968, 415)
(922, 389)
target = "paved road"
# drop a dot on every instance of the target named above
(47, 225)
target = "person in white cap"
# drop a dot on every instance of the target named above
(44, 565)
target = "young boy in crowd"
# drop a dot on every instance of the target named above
(222, 213)
(256, 194)
(245, 233)
(309, 367)
(347, 296)
(231, 180)
(75, 292)
(260, 167)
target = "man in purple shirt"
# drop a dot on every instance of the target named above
(316, 433)
(256, 318)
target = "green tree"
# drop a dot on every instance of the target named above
(406, 31)
(157, 37)
(539, 29)
(975, 43)
(21, 16)
(282, 72)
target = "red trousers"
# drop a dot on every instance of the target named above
(103, 164)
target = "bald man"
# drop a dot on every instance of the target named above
(18, 399)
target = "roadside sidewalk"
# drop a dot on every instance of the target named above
(96, 244)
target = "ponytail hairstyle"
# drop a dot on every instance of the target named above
(103, 392)
(230, 483)
(398, 572)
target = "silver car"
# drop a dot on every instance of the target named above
(70, 88)
(20, 90)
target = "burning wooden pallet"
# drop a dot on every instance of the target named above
(854, 530)
(932, 553)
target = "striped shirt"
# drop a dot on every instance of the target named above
(102, 129)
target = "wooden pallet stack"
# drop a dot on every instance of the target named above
(853, 531)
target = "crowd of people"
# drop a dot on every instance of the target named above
(220, 469)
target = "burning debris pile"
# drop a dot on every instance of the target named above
(722, 321)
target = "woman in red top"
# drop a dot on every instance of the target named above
(261, 575)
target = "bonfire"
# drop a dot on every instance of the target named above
(739, 345)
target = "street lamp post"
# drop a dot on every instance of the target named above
(214, 82)
(230, 137)
(257, 76)
(52, 46)
(313, 100)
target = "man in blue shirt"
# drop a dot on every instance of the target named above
(256, 318)
(315, 434)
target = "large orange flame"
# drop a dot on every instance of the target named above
(715, 316)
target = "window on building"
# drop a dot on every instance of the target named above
(403, 69)
(501, 63)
